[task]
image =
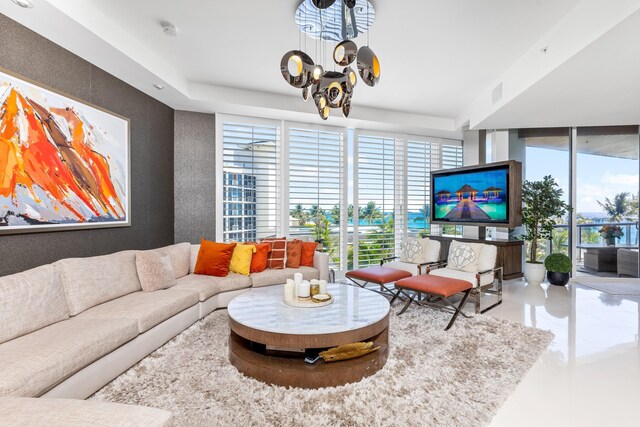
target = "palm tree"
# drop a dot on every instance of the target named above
(618, 208)
(425, 212)
(371, 213)
(334, 214)
(300, 214)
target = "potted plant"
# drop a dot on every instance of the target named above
(558, 268)
(610, 233)
(542, 204)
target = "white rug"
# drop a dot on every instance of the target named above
(432, 378)
(611, 285)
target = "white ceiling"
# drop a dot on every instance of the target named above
(436, 55)
(440, 59)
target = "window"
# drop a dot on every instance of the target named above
(316, 186)
(421, 158)
(251, 184)
(379, 197)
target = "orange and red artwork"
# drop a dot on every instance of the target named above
(63, 163)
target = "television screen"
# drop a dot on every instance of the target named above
(478, 196)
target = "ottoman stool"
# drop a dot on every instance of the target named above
(378, 275)
(441, 287)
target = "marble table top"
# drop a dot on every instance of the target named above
(264, 309)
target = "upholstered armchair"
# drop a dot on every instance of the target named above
(474, 263)
(416, 255)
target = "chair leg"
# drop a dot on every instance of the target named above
(395, 296)
(458, 309)
(408, 303)
(478, 293)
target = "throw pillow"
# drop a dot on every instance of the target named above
(214, 258)
(464, 256)
(260, 257)
(412, 251)
(308, 251)
(241, 259)
(277, 258)
(294, 253)
(431, 249)
(154, 270)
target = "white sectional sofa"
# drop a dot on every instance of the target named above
(69, 328)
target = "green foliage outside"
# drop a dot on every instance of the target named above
(558, 263)
(543, 206)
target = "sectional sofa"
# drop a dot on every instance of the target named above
(71, 327)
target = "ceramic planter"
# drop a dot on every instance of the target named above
(534, 273)
(558, 279)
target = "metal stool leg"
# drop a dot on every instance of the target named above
(458, 309)
(408, 302)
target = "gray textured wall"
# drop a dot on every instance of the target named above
(28, 54)
(194, 161)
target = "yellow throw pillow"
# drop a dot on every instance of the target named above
(241, 259)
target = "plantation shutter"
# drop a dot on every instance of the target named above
(251, 181)
(380, 196)
(317, 186)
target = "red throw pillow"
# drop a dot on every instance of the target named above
(308, 250)
(214, 258)
(260, 257)
(278, 254)
(294, 253)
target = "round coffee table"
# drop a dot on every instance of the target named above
(269, 339)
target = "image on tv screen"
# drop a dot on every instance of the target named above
(474, 196)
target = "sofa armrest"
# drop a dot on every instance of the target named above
(435, 265)
(391, 258)
(321, 263)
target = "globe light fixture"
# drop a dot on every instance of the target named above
(333, 21)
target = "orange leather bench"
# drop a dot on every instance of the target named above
(441, 287)
(378, 275)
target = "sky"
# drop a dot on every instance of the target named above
(597, 176)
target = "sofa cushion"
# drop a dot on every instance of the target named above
(147, 308)
(277, 258)
(280, 276)
(294, 253)
(90, 281)
(241, 259)
(31, 300)
(404, 266)
(34, 363)
(214, 258)
(26, 411)
(208, 286)
(195, 249)
(485, 279)
(308, 251)
(180, 255)
(155, 271)
(260, 257)
(488, 256)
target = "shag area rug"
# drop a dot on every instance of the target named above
(432, 378)
(611, 285)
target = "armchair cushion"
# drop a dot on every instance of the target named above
(485, 279)
(419, 251)
(464, 256)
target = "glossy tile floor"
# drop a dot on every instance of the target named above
(590, 375)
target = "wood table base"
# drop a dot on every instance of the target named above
(251, 359)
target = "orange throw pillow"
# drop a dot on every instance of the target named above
(308, 250)
(278, 254)
(259, 259)
(294, 253)
(214, 258)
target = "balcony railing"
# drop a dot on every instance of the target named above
(588, 234)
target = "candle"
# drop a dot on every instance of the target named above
(304, 289)
(315, 282)
(323, 286)
(298, 278)
(289, 290)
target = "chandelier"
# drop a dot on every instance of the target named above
(333, 24)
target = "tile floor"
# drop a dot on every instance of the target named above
(590, 375)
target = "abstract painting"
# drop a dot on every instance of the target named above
(63, 164)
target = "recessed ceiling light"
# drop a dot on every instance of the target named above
(158, 86)
(169, 29)
(27, 4)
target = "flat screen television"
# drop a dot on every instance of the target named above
(487, 195)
